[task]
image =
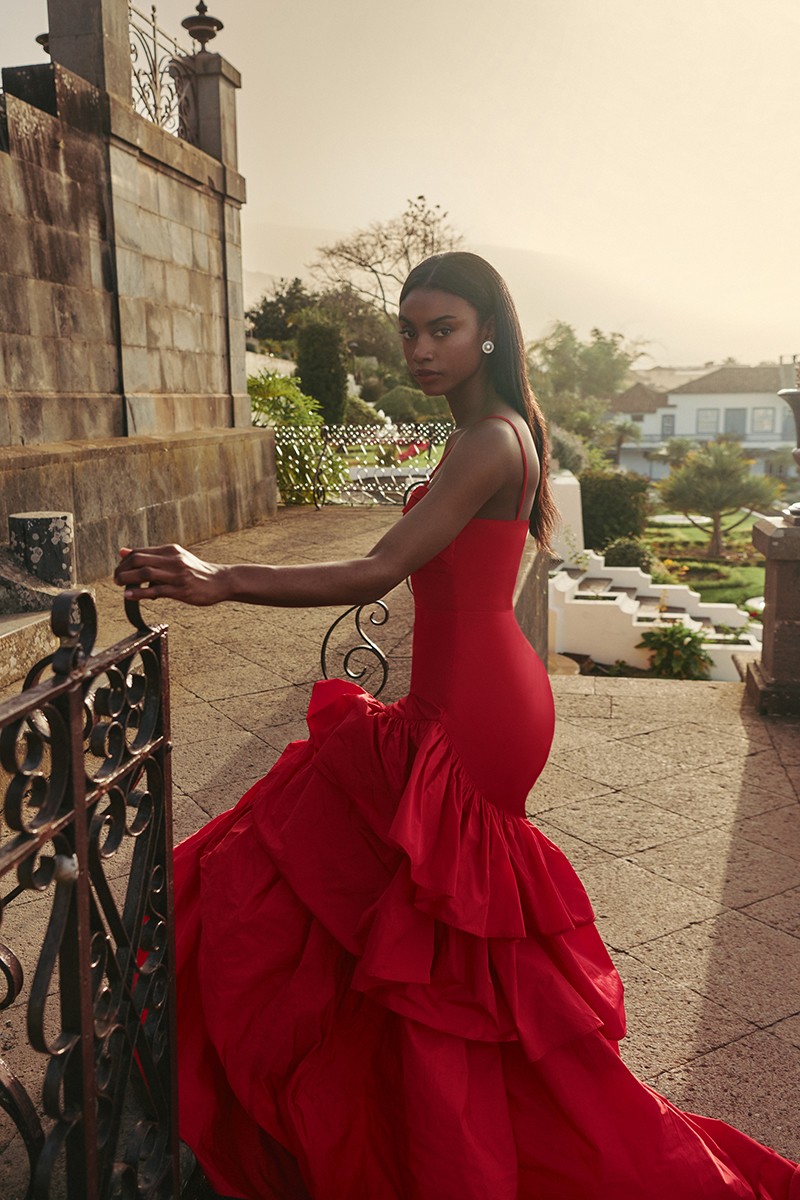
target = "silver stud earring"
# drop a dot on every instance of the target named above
(488, 346)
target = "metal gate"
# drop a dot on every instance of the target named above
(87, 966)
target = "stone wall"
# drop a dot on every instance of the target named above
(144, 490)
(122, 272)
(123, 392)
(59, 333)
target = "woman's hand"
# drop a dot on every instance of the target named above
(173, 573)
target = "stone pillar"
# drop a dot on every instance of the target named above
(216, 82)
(43, 542)
(91, 39)
(773, 684)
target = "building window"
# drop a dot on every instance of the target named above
(736, 422)
(788, 432)
(708, 421)
(667, 425)
(763, 420)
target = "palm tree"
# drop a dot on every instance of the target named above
(623, 429)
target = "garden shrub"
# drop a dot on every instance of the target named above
(358, 412)
(322, 366)
(277, 399)
(400, 404)
(629, 552)
(372, 389)
(676, 652)
(614, 506)
(299, 448)
(432, 408)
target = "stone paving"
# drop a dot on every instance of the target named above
(675, 801)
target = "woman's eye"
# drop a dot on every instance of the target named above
(407, 334)
(443, 332)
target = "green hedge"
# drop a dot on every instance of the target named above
(322, 367)
(614, 506)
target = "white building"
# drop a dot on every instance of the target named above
(736, 401)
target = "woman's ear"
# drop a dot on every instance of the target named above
(488, 329)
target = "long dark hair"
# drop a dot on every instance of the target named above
(476, 281)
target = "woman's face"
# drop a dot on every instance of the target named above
(442, 338)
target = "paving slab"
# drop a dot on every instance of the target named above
(558, 785)
(777, 830)
(690, 743)
(579, 852)
(722, 865)
(634, 906)
(621, 824)
(764, 769)
(709, 797)
(737, 962)
(612, 763)
(668, 1022)
(753, 1083)
(781, 911)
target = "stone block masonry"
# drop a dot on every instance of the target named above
(59, 333)
(121, 273)
(123, 392)
(144, 490)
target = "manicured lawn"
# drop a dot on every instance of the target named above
(730, 580)
(675, 541)
(729, 583)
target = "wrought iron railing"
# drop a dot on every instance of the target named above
(162, 77)
(356, 464)
(362, 658)
(87, 1076)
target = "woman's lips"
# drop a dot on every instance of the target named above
(424, 375)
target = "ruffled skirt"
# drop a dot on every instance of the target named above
(391, 989)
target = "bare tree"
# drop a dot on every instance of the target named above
(374, 262)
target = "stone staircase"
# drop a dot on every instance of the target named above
(602, 611)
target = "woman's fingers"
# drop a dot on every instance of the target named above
(155, 591)
(169, 572)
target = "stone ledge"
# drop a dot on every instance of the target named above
(24, 639)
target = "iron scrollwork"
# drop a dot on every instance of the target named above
(86, 824)
(377, 614)
(162, 76)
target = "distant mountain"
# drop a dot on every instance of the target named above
(547, 288)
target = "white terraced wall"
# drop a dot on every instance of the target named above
(603, 611)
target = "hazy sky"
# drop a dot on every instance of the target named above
(652, 145)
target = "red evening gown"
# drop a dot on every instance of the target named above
(390, 986)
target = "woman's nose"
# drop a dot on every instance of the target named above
(422, 349)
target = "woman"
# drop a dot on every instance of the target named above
(390, 986)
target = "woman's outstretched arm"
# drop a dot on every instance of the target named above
(478, 466)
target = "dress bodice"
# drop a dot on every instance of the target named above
(477, 571)
(473, 666)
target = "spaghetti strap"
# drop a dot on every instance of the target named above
(497, 417)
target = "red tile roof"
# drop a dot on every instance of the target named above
(639, 398)
(767, 378)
